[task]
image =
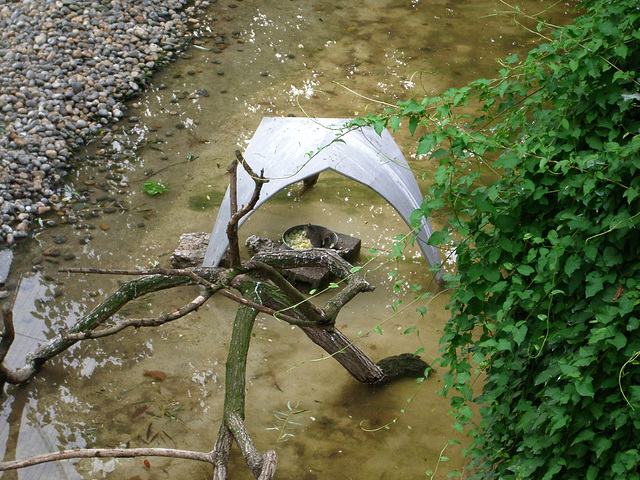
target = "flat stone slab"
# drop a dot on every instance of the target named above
(191, 250)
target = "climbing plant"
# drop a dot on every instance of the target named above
(539, 173)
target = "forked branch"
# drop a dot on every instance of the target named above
(235, 214)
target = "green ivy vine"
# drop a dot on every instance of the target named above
(542, 185)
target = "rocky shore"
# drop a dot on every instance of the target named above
(66, 66)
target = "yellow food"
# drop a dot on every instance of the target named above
(297, 241)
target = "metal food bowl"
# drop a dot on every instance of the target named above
(324, 232)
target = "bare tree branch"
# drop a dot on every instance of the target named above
(8, 334)
(171, 272)
(269, 464)
(108, 453)
(251, 455)
(222, 451)
(192, 306)
(299, 300)
(321, 256)
(127, 292)
(235, 214)
(269, 311)
(232, 227)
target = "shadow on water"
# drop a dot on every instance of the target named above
(164, 387)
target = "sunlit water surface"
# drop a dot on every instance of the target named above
(261, 58)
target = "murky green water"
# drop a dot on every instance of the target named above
(322, 59)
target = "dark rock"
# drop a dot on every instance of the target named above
(403, 366)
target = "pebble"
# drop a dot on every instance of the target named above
(66, 68)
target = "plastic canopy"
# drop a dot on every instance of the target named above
(291, 149)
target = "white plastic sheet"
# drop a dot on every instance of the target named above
(291, 149)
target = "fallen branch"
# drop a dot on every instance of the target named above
(108, 453)
(269, 311)
(192, 306)
(8, 335)
(127, 292)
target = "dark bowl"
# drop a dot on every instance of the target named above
(323, 231)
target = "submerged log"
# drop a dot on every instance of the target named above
(403, 365)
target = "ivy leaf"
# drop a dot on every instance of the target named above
(511, 59)
(378, 123)
(394, 123)
(426, 144)
(492, 274)
(519, 334)
(525, 270)
(573, 263)
(413, 124)
(585, 387)
(441, 237)
(594, 284)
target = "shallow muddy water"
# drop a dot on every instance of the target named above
(261, 58)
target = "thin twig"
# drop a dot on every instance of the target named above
(269, 311)
(235, 214)
(192, 306)
(300, 301)
(232, 226)
(108, 453)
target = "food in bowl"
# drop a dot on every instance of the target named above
(302, 237)
(296, 240)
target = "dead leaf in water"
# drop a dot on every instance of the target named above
(155, 374)
(138, 411)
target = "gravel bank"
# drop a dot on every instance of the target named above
(65, 68)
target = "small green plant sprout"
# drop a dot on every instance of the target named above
(286, 419)
(154, 187)
(69, 193)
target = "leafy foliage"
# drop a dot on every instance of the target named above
(543, 186)
(154, 187)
